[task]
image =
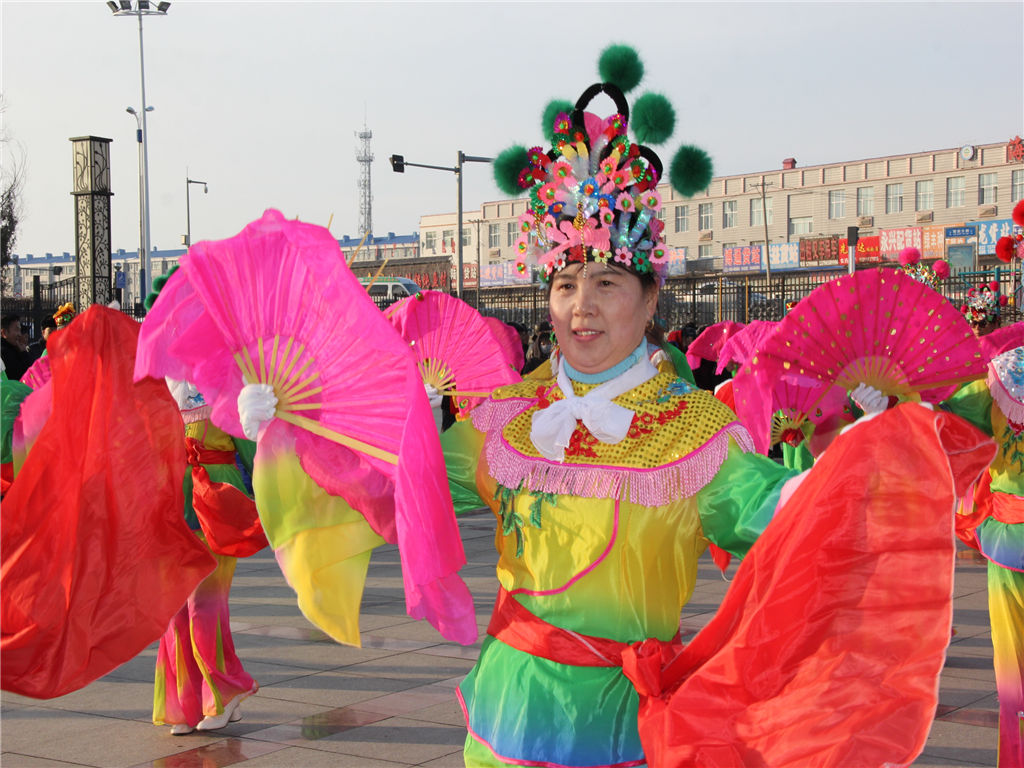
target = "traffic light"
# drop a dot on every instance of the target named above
(851, 238)
(398, 163)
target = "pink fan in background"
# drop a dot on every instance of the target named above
(739, 346)
(276, 304)
(454, 347)
(708, 344)
(878, 327)
(508, 338)
(992, 345)
(38, 373)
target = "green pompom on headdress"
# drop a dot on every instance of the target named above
(620, 65)
(158, 285)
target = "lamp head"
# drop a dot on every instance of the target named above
(130, 110)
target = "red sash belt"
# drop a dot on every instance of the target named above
(228, 517)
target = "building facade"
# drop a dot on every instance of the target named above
(950, 203)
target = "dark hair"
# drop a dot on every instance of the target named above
(6, 320)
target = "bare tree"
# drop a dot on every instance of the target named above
(12, 180)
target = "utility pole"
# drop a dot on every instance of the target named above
(764, 219)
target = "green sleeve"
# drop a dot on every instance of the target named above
(461, 445)
(973, 402)
(797, 457)
(12, 393)
(246, 450)
(740, 500)
(678, 359)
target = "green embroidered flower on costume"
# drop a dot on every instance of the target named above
(1011, 447)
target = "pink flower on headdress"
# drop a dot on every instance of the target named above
(941, 269)
(525, 179)
(520, 266)
(562, 123)
(607, 216)
(548, 193)
(535, 155)
(522, 245)
(623, 256)
(651, 199)
(624, 202)
(608, 166)
(526, 222)
(659, 255)
(657, 227)
(561, 170)
(620, 178)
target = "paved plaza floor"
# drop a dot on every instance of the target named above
(391, 703)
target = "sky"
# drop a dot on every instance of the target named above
(263, 100)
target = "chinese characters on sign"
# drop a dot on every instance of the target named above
(867, 250)
(819, 251)
(892, 241)
(745, 258)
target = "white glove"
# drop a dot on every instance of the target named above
(257, 405)
(869, 399)
(435, 399)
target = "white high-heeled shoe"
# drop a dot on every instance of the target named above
(181, 729)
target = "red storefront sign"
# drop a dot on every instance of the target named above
(868, 251)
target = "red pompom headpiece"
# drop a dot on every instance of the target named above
(1018, 213)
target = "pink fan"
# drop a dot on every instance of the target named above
(454, 347)
(739, 346)
(878, 327)
(708, 344)
(276, 304)
(508, 338)
(38, 373)
(992, 345)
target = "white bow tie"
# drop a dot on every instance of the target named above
(552, 427)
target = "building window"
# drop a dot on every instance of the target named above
(955, 192)
(837, 204)
(660, 215)
(894, 198)
(704, 251)
(1016, 186)
(466, 237)
(865, 201)
(729, 208)
(511, 233)
(493, 235)
(986, 188)
(447, 240)
(429, 241)
(924, 195)
(759, 206)
(682, 218)
(801, 225)
(706, 215)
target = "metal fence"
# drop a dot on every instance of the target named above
(710, 298)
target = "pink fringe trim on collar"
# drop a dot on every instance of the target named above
(652, 487)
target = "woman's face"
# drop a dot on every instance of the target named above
(599, 317)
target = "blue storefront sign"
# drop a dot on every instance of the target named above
(952, 232)
(989, 233)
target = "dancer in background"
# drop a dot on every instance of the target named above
(995, 525)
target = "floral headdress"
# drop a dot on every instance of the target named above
(65, 314)
(910, 262)
(983, 304)
(1012, 245)
(593, 195)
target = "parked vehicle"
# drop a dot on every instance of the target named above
(385, 291)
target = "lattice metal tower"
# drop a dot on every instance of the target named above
(364, 157)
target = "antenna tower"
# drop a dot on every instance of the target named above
(364, 156)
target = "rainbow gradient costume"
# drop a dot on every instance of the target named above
(598, 555)
(995, 526)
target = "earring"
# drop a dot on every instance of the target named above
(650, 325)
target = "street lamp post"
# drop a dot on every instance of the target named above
(139, 9)
(188, 209)
(142, 187)
(398, 164)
